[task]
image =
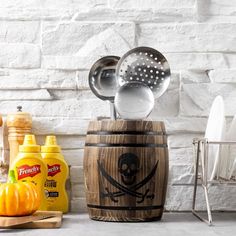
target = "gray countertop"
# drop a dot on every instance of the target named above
(171, 224)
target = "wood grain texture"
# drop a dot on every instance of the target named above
(19, 124)
(52, 222)
(126, 176)
(124, 126)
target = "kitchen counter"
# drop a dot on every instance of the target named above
(171, 224)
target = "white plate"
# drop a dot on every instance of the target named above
(233, 169)
(224, 161)
(231, 155)
(215, 132)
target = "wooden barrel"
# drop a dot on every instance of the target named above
(126, 170)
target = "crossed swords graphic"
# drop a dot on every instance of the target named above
(132, 191)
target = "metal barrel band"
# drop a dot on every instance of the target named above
(129, 208)
(126, 132)
(149, 145)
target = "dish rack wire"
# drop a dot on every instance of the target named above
(201, 148)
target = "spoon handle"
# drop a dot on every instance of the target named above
(112, 111)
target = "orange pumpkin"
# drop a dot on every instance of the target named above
(1, 122)
(18, 198)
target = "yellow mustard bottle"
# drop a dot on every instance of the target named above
(29, 166)
(57, 199)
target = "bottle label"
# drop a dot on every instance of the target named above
(25, 171)
(53, 169)
(51, 194)
(50, 183)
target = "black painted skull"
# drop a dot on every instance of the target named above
(128, 167)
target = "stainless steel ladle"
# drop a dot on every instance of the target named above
(103, 82)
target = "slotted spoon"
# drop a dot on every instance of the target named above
(145, 65)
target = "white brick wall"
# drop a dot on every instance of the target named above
(47, 48)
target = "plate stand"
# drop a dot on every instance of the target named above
(201, 148)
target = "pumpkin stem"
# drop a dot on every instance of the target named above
(11, 177)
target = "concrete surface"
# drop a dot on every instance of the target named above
(172, 224)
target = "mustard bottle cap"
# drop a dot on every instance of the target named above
(51, 145)
(29, 144)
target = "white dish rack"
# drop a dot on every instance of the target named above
(201, 177)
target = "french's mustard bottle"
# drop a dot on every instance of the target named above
(57, 199)
(29, 166)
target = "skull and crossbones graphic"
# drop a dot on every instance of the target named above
(128, 166)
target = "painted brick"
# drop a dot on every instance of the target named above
(148, 4)
(77, 174)
(19, 55)
(59, 125)
(87, 109)
(138, 15)
(35, 13)
(19, 32)
(179, 198)
(78, 205)
(74, 157)
(86, 38)
(75, 93)
(222, 76)
(189, 37)
(67, 142)
(4, 73)
(181, 174)
(168, 103)
(78, 4)
(200, 61)
(196, 99)
(82, 79)
(46, 10)
(41, 94)
(78, 191)
(194, 76)
(182, 140)
(78, 126)
(184, 125)
(217, 10)
(37, 78)
(181, 156)
(66, 62)
(51, 4)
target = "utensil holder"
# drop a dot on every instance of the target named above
(126, 170)
(201, 179)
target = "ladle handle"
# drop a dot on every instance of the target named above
(112, 111)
